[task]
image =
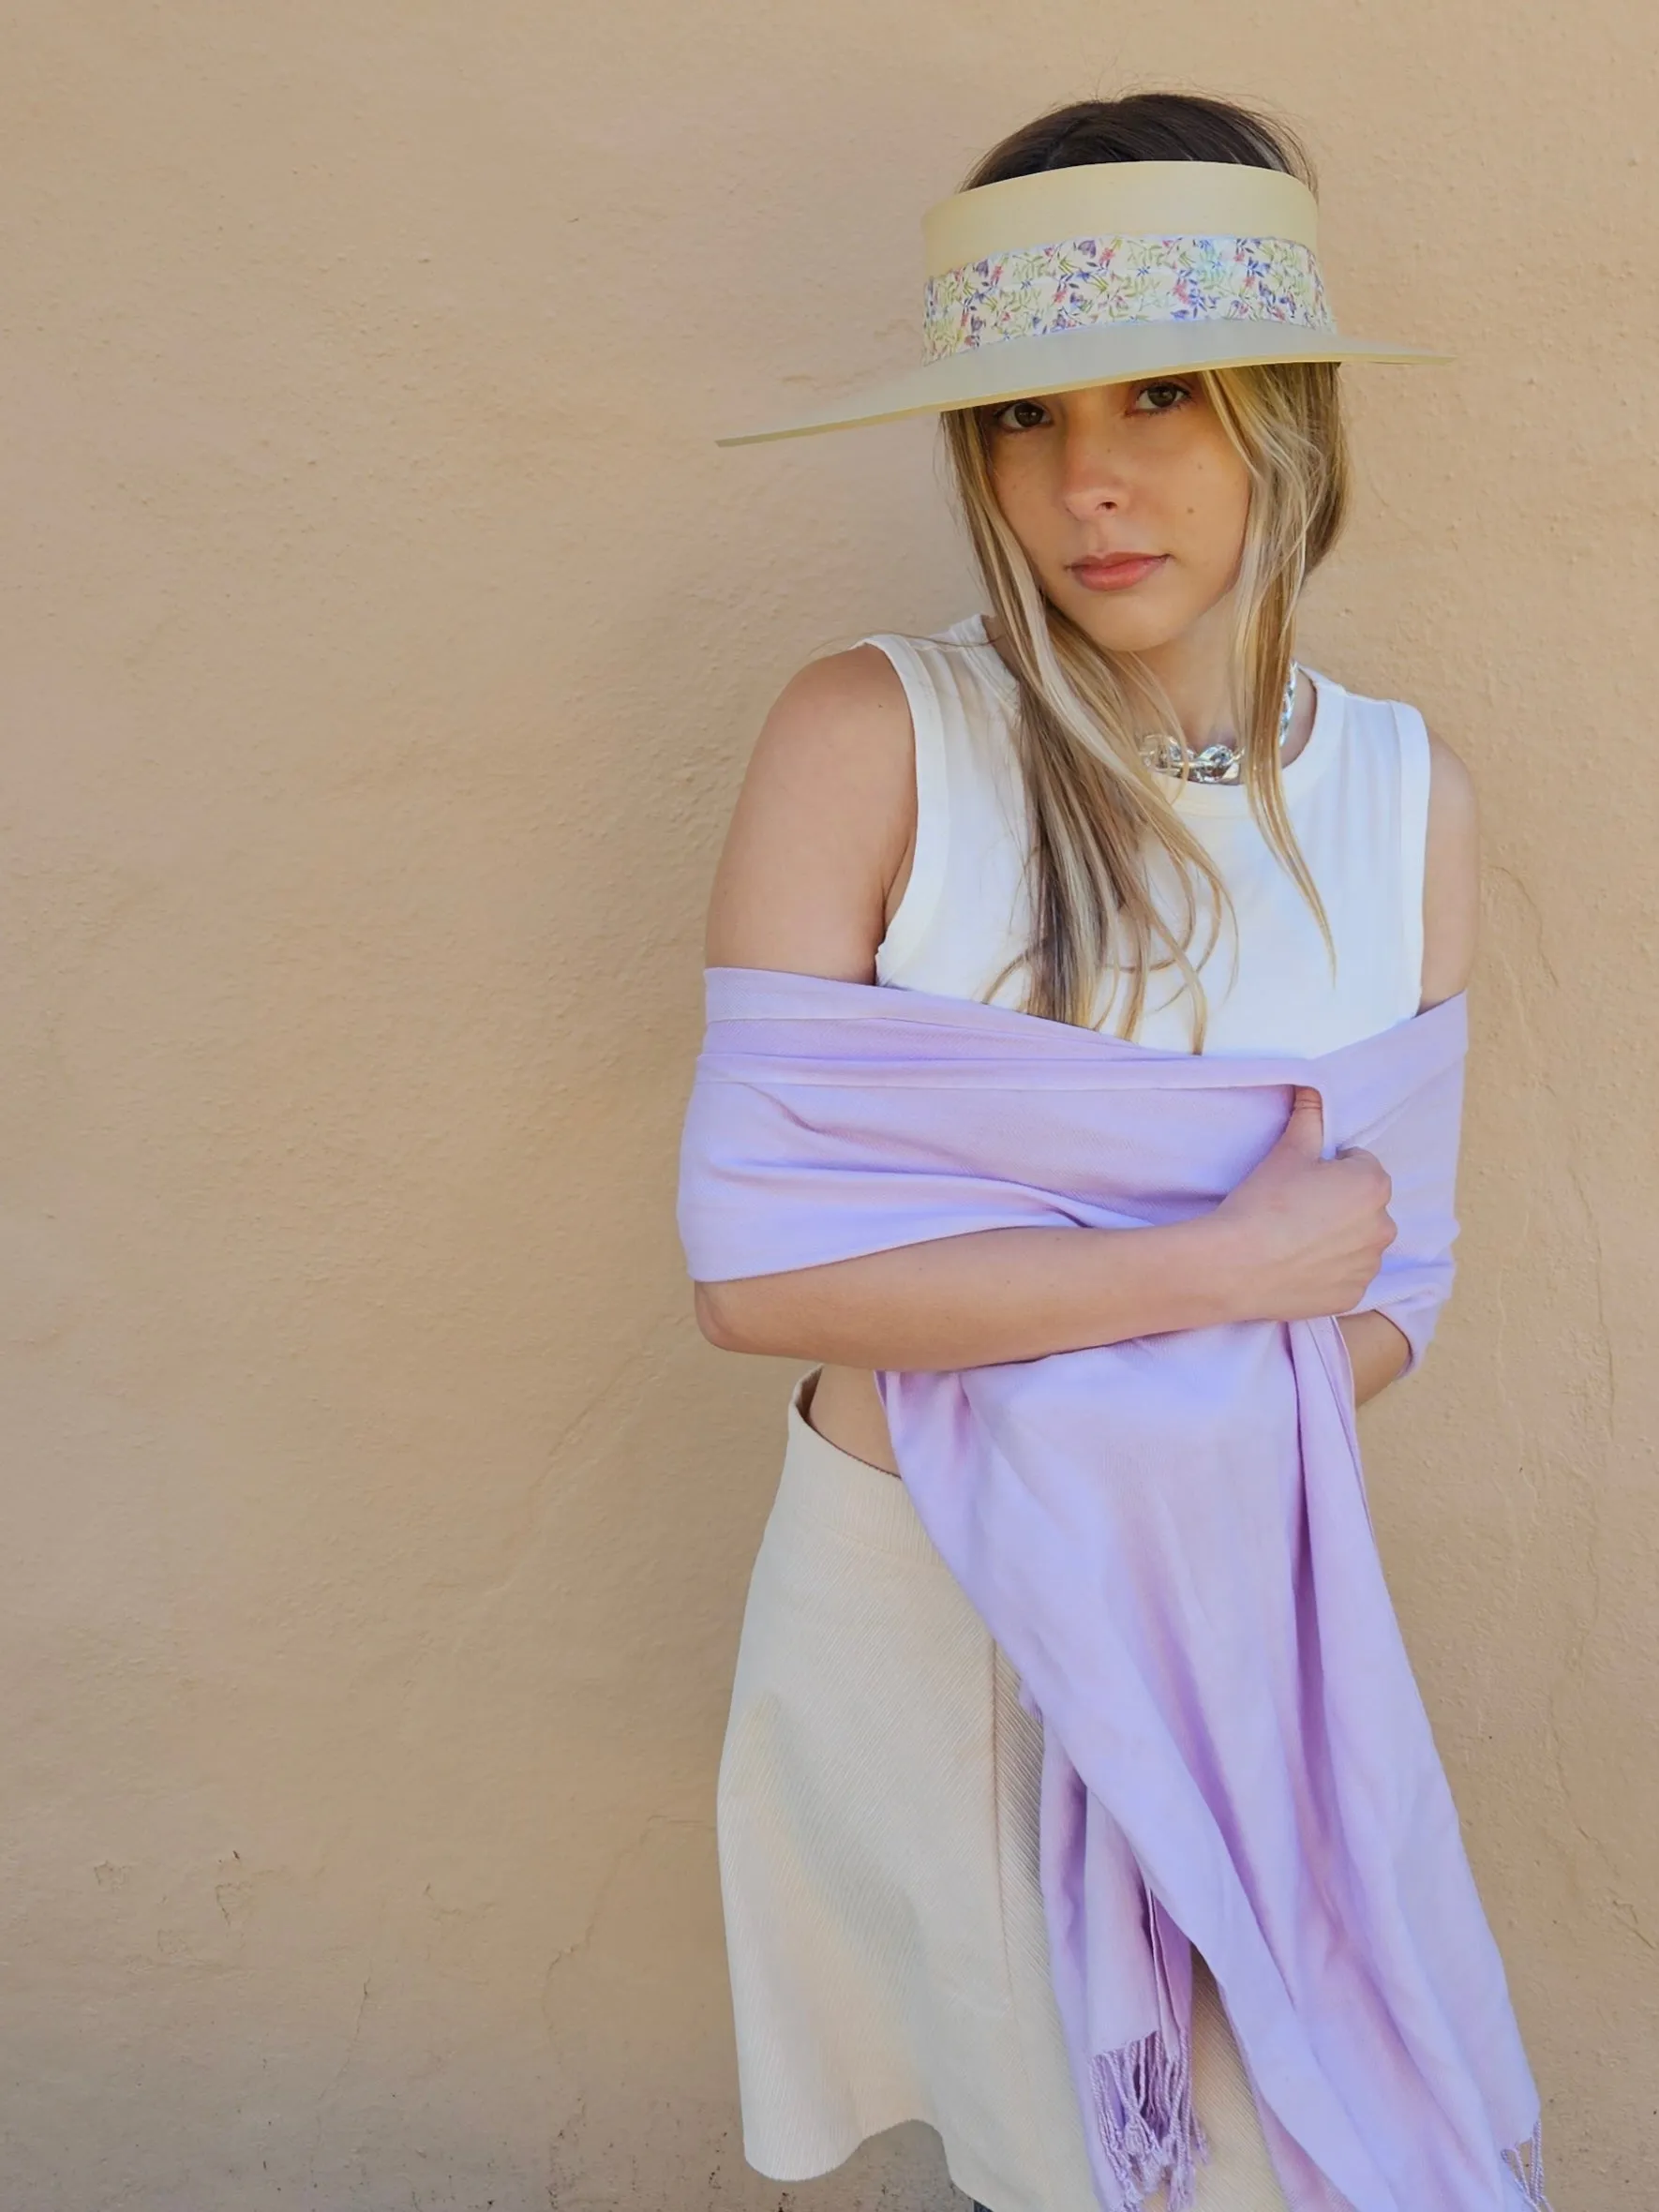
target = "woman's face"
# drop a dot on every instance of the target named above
(1141, 476)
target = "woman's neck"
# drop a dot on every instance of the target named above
(1195, 671)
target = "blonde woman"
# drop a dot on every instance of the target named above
(1112, 799)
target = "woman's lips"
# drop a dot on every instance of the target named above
(1117, 572)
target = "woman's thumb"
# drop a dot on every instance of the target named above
(1306, 1128)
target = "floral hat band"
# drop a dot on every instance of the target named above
(1105, 273)
(1070, 283)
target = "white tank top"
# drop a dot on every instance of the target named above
(1357, 795)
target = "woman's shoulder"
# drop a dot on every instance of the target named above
(938, 660)
(890, 693)
(1444, 814)
(1452, 785)
(823, 821)
(837, 696)
(1450, 872)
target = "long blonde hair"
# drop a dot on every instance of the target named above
(1098, 814)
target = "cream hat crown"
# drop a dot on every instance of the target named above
(1105, 273)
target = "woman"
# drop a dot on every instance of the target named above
(1003, 810)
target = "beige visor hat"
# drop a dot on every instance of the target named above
(1103, 273)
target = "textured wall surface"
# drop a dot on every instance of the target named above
(383, 639)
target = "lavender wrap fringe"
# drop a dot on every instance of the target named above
(1152, 2138)
(1148, 2129)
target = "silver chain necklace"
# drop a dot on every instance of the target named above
(1218, 762)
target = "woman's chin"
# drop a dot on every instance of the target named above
(1138, 620)
(1128, 630)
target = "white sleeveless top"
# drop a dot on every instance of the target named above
(1357, 797)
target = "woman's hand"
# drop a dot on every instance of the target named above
(1308, 1234)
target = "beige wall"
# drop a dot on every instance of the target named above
(383, 636)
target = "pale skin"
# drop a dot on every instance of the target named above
(816, 863)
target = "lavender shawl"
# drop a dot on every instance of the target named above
(1170, 1539)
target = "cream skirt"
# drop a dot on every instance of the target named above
(877, 1830)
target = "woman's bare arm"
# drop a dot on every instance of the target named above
(1451, 915)
(991, 1295)
(820, 838)
(813, 868)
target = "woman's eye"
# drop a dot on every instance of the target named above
(1000, 416)
(1160, 398)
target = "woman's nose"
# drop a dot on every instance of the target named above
(1092, 472)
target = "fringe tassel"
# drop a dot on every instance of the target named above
(1159, 2137)
(1526, 2162)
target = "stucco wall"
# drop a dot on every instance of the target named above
(383, 638)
